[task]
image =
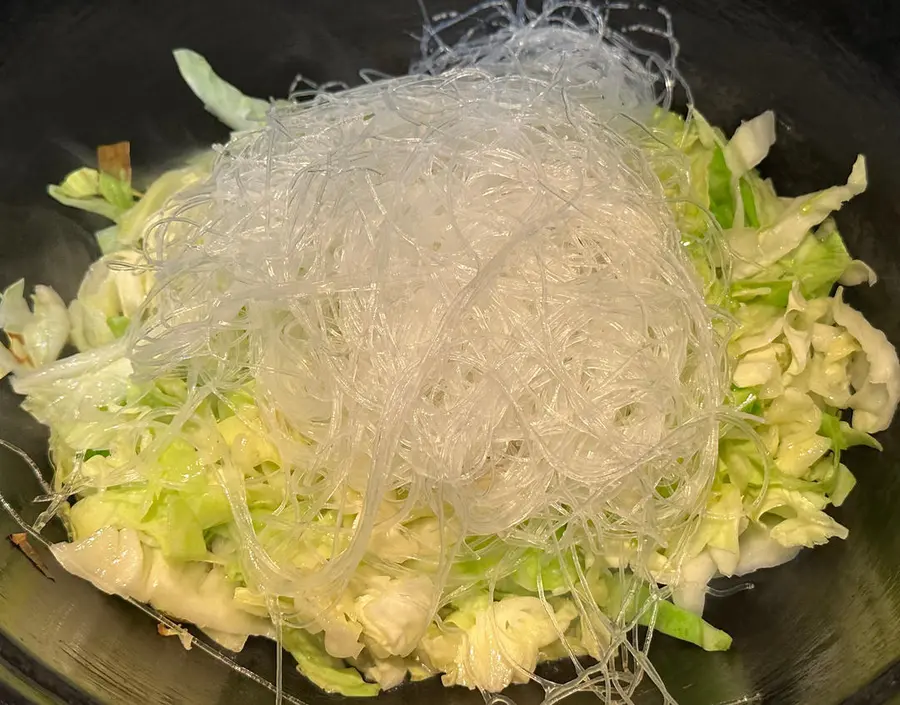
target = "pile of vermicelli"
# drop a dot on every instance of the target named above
(458, 293)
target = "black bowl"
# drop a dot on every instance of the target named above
(824, 629)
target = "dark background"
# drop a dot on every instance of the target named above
(820, 631)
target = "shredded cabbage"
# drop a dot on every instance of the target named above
(168, 482)
(219, 97)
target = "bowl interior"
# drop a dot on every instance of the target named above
(77, 74)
